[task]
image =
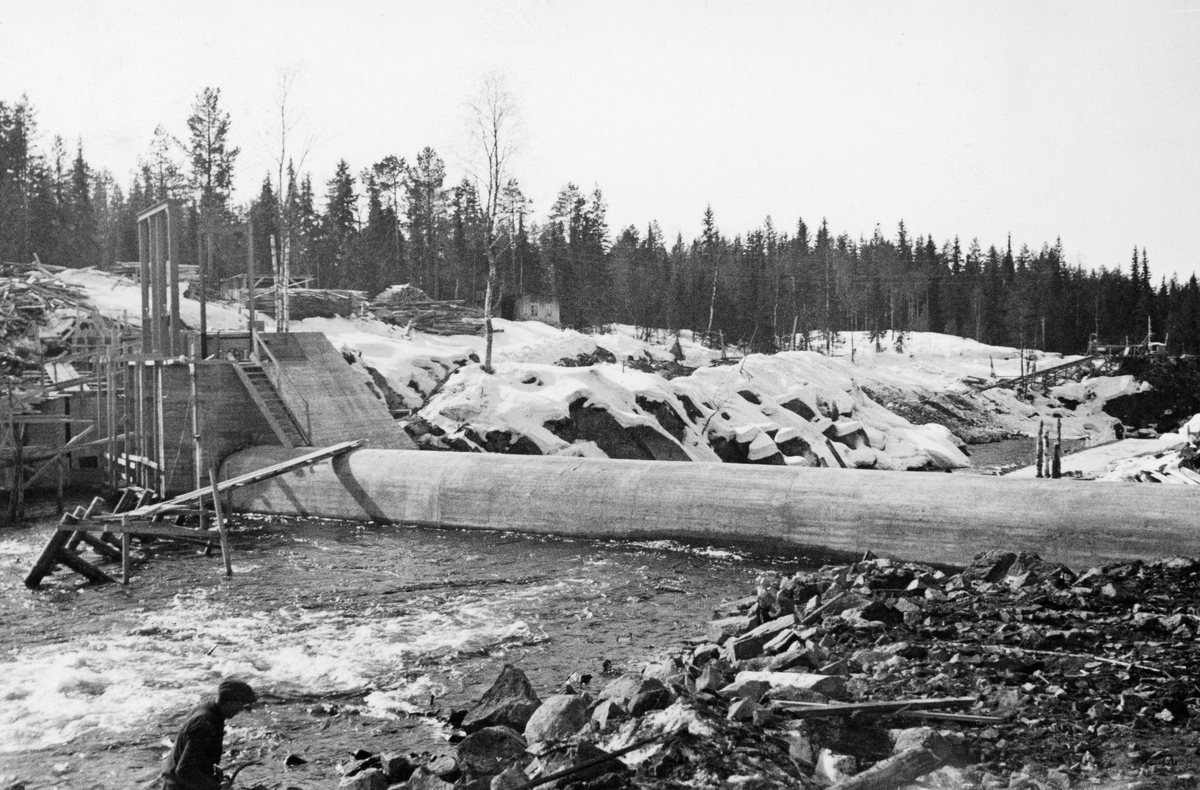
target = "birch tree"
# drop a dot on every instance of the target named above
(494, 131)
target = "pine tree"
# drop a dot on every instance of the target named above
(427, 218)
(391, 174)
(210, 155)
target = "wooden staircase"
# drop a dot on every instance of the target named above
(264, 393)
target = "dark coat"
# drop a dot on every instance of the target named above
(192, 762)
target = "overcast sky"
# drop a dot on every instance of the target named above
(1043, 119)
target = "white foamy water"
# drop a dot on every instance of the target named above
(53, 694)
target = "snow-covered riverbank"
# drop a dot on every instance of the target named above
(561, 392)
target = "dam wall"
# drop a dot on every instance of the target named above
(927, 517)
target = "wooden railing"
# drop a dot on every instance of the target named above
(280, 379)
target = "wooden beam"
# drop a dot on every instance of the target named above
(803, 710)
(141, 527)
(98, 545)
(74, 444)
(216, 496)
(48, 557)
(125, 538)
(246, 479)
(49, 419)
(84, 568)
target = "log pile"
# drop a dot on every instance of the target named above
(312, 302)
(1013, 673)
(409, 307)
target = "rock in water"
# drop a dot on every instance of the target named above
(508, 703)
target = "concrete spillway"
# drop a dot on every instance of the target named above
(940, 518)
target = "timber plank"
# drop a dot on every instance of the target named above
(242, 480)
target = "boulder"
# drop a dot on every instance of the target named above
(828, 685)
(490, 750)
(745, 688)
(624, 689)
(370, 779)
(395, 767)
(761, 449)
(445, 766)
(575, 755)
(752, 643)
(850, 433)
(508, 703)
(713, 677)
(743, 710)
(727, 627)
(651, 699)
(560, 716)
(424, 779)
(510, 778)
(921, 737)
(606, 713)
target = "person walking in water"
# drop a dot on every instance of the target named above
(192, 763)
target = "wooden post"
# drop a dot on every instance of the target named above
(140, 409)
(125, 550)
(144, 282)
(203, 298)
(171, 218)
(1056, 470)
(111, 403)
(49, 556)
(197, 455)
(17, 505)
(160, 450)
(1039, 449)
(58, 493)
(216, 497)
(278, 292)
(250, 282)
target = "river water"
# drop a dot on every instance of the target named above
(355, 636)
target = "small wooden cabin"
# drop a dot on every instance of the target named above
(528, 307)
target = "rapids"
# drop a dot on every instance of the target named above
(355, 637)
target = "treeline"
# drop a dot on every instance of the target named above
(398, 221)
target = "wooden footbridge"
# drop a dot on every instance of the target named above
(1056, 374)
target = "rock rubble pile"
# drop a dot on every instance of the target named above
(1014, 673)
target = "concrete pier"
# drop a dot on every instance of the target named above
(927, 517)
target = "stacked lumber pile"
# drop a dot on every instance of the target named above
(410, 307)
(1014, 673)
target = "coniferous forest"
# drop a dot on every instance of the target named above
(399, 220)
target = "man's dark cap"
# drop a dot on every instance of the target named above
(235, 691)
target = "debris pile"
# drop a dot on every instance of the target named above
(1180, 465)
(1015, 673)
(29, 295)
